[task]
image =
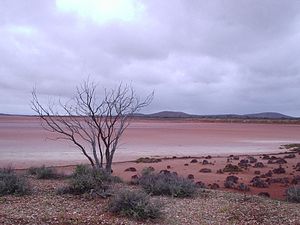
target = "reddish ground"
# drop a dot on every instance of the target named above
(23, 143)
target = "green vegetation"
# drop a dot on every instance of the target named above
(43, 172)
(147, 160)
(167, 184)
(85, 179)
(135, 204)
(11, 183)
(293, 194)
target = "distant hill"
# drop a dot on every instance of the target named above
(175, 114)
(170, 114)
(269, 115)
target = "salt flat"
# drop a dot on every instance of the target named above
(23, 142)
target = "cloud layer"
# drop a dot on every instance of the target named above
(204, 57)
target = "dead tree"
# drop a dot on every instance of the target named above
(94, 125)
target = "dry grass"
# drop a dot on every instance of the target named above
(210, 207)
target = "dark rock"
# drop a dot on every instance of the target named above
(186, 164)
(258, 182)
(232, 178)
(205, 170)
(200, 184)
(208, 157)
(194, 161)
(259, 165)
(135, 177)
(231, 182)
(284, 180)
(266, 157)
(281, 161)
(205, 162)
(244, 163)
(190, 176)
(168, 167)
(252, 159)
(165, 172)
(236, 158)
(257, 172)
(279, 170)
(269, 173)
(130, 169)
(243, 187)
(231, 168)
(277, 160)
(296, 180)
(264, 194)
(175, 173)
(290, 156)
(214, 186)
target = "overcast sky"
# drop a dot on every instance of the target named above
(204, 57)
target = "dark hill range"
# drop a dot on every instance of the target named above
(175, 114)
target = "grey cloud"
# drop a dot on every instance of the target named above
(199, 56)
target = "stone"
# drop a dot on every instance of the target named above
(130, 169)
(200, 184)
(259, 165)
(279, 170)
(190, 176)
(205, 170)
(264, 194)
(205, 162)
(258, 182)
(231, 168)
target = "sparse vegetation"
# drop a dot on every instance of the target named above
(11, 183)
(85, 179)
(167, 184)
(231, 168)
(136, 204)
(43, 172)
(293, 194)
(147, 160)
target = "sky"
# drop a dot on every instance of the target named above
(199, 56)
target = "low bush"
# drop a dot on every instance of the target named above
(147, 160)
(84, 179)
(11, 183)
(293, 194)
(167, 184)
(43, 172)
(135, 204)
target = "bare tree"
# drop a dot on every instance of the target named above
(94, 125)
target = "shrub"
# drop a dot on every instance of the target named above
(11, 183)
(167, 184)
(231, 168)
(148, 170)
(135, 204)
(293, 194)
(84, 179)
(147, 160)
(43, 172)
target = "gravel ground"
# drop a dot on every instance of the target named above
(209, 207)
